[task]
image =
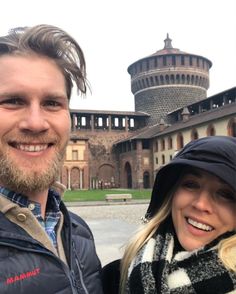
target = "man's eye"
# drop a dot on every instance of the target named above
(12, 102)
(52, 103)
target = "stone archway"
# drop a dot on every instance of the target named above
(106, 176)
(75, 178)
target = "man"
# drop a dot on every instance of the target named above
(43, 247)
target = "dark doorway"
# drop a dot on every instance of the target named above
(128, 174)
(146, 180)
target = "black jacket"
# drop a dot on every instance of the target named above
(27, 267)
(111, 277)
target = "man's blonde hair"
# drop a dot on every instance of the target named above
(54, 43)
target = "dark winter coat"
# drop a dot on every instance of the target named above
(27, 267)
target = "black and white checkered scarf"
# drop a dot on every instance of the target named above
(160, 268)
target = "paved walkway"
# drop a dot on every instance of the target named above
(112, 224)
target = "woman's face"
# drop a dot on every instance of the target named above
(203, 208)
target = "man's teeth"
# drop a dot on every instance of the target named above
(32, 148)
(199, 225)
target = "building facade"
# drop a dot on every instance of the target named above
(123, 149)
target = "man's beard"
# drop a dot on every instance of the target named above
(28, 180)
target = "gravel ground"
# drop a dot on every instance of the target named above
(112, 225)
(130, 213)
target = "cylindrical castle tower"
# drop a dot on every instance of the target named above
(167, 80)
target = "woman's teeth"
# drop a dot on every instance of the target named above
(198, 225)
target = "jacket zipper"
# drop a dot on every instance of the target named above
(79, 269)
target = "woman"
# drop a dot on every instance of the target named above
(189, 242)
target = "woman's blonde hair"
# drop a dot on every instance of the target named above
(140, 238)
(226, 250)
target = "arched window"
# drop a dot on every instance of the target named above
(211, 130)
(151, 81)
(188, 79)
(192, 80)
(156, 146)
(157, 80)
(161, 80)
(167, 79)
(180, 141)
(163, 159)
(232, 127)
(170, 143)
(194, 135)
(163, 144)
(177, 79)
(196, 81)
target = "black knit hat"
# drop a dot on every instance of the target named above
(216, 155)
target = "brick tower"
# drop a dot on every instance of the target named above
(167, 80)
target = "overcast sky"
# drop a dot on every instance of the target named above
(115, 33)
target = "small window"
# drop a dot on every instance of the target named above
(156, 146)
(83, 121)
(131, 122)
(190, 60)
(116, 121)
(164, 60)
(173, 61)
(75, 155)
(163, 144)
(100, 122)
(170, 143)
(163, 159)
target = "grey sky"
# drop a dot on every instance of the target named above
(115, 33)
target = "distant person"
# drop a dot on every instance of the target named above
(189, 242)
(44, 249)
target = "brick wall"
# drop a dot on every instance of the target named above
(158, 102)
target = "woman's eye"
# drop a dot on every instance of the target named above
(190, 185)
(226, 195)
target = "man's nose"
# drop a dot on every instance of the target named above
(34, 120)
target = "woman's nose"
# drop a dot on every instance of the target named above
(204, 201)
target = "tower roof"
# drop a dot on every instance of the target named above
(168, 48)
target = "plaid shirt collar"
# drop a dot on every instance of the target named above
(52, 214)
